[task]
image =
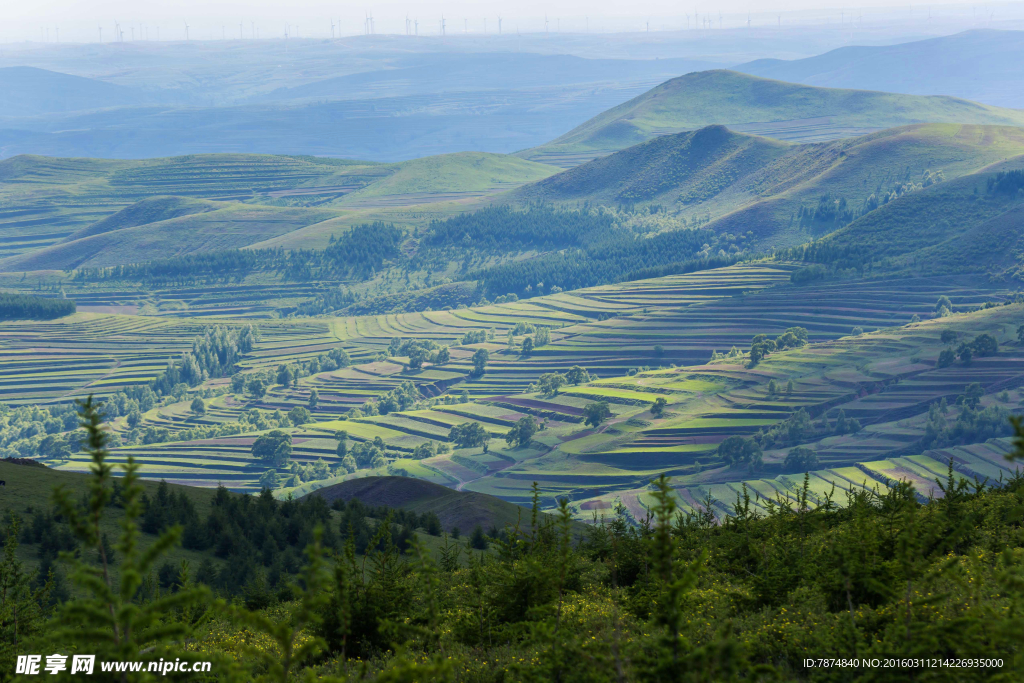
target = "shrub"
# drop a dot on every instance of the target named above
(274, 447)
(800, 459)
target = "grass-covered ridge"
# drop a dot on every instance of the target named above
(785, 194)
(772, 108)
(58, 201)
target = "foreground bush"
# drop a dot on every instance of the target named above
(672, 597)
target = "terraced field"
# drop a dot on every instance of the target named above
(886, 378)
(276, 200)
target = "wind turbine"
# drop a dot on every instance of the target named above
(252, 29)
(101, 33)
(186, 31)
(416, 23)
(748, 19)
(545, 24)
(332, 29)
(133, 32)
(499, 24)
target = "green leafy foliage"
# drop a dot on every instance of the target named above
(522, 432)
(594, 414)
(273, 448)
(680, 595)
(468, 435)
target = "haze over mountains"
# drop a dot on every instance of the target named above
(392, 98)
(980, 65)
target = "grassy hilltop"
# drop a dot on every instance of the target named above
(52, 204)
(786, 194)
(757, 105)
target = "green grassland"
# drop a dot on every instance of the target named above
(762, 106)
(454, 176)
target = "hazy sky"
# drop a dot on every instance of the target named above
(77, 10)
(568, 15)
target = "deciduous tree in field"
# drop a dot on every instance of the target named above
(468, 435)
(299, 416)
(521, 432)
(658, 409)
(594, 414)
(273, 448)
(256, 388)
(550, 382)
(577, 375)
(739, 450)
(480, 359)
(527, 346)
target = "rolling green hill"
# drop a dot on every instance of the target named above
(770, 188)
(684, 168)
(454, 508)
(152, 210)
(758, 105)
(957, 225)
(447, 176)
(64, 213)
(233, 226)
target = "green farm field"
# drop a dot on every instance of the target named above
(884, 378)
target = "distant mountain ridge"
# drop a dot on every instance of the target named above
(430, 74)
(983, 65)
(766, 107)
(28, 91)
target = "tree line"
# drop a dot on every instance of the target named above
(358, 252)
(30, 307)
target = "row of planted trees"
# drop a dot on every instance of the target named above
(671, 596)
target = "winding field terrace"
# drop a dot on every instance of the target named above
(667, 328)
